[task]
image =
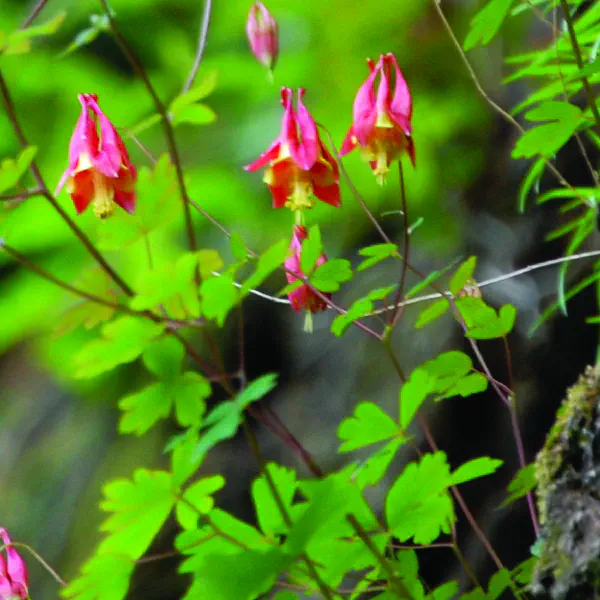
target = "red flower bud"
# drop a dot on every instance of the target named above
(303, 297)
(99, 171)
(263, 36)
(299, 164)
(13, 572)
(382, 126)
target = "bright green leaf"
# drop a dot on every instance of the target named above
(11, 170)
(238, 247)
(478, 467)
(140, 507)
(522, 483)
(103, 577)
(197, 498)
(196, 114)
(486, 23)
(413, 394)
(376, 254)
(369, 425)
(122, 342)
(462, 276)
(256, 390)
(163, 357)
(329, 275)
(432, 312)
(418, 505)
(374, 468)
(219, 296)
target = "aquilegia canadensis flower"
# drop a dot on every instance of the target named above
(99, 171)
(263, 36)
(381, 126)
(303, 297)
(299, 164)
(13, 572)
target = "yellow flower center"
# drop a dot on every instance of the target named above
(104, 193)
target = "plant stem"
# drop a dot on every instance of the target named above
(161, 109)
(22, 195)
(325, 590)
(395, 582)
(201, 46)
(578, 59)
(12, 116)
(397, 313)
(37, 9)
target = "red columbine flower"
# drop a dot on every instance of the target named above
(263, 35)
(99, 167)
(299, 165)
(381, 124)
(303, 297)
(13, 572)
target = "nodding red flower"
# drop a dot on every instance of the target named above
(381, 124)
(263, 36)
(303, 297)
(299, 164)
(13, 572)
(99, 171)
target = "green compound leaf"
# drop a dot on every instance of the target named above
(478, 467)
(245, 575)
(158, 202)
(172, 286)
(418, 505)
(522, 483)
(462, 276)
(103, 577)
(270, 260)
(238, 247)
(372, 470)
(329, 275)
(164, 357)
(369, 425)
(482, 321)
(311, 250)
(447, 591)
(187, 393)
(122, 342)
(19, 42)
(360, 308)
(486, 23)
(140, 507)
(11, 170)
(219, 295)
(562, 120)
(375, 254)
(268, 513)
(413, 394)
(223, 421)
(197, 498)
(432, 312)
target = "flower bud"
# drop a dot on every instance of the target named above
(13, 572)
(262, 35)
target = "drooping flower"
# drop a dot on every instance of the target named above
(13, 572)
(263, 36)
(382, 121)
(299, 164)
(303, 297)
(99, 170)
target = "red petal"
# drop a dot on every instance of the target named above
(271, 154)
(307, 151)
(349, 142)
(280, 194)
(108, 159)
(82, 192)
(402, 103)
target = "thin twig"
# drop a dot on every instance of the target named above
(395, 582)
(253, 442)
(44, 564)
(498, 279)
(505, 115)
(161, 109)
(201, 46)
(23, 195)
(83, 238)
(397, 312)
(37, 9)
